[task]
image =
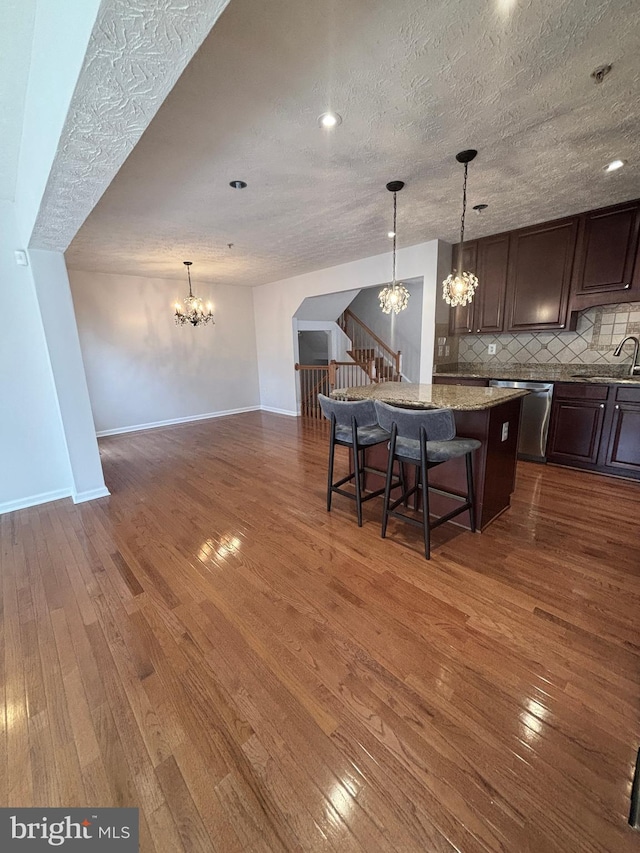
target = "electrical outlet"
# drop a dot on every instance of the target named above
(505, 431)
(491, 349)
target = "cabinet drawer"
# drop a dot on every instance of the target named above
(574, 391)
(627, 394)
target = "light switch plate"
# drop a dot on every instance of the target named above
(505, 431)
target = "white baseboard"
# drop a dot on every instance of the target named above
(155, 424)
(280, 411)
(34, 500)
(90, 495)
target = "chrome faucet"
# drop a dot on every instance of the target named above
(634, 367)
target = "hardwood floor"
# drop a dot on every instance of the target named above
(255, 674)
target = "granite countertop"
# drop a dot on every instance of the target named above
(460, 398)
(581, 373)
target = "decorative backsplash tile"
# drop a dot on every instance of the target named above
(598, 332)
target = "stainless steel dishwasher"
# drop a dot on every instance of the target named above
(534, 420)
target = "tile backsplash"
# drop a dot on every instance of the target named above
(598, 332)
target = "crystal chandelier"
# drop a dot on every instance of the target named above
(193, 311)
(459, 287)
(395, 296)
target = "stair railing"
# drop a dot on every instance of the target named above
(323, 379)
(368, 350)
(314, 380)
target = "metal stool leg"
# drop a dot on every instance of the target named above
(357, 471)
(424, 476)
(387, 485)
(470, 493)
(332, 453)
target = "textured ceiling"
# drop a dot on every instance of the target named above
(17, 18)
(133, 59)
(415, 82)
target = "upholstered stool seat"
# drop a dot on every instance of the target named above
(425, 439)
(354, 424)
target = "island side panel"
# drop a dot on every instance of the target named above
(494, 464)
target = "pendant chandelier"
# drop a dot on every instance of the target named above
(193, 311)
(395, 296)
(459, 287)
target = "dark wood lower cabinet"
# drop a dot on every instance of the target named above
(576, 431)
(623, 450)
(596, 427)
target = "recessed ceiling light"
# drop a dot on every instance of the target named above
(480, 207)
(614, 165)
(238, 185)
(329, 120)
(391, 234)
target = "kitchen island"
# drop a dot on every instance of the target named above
(492, 415)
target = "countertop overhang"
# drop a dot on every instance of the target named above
(596, 374)
(459, 398)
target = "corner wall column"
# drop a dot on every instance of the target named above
(51, 282)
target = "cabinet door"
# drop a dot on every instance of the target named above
(540, 266)
(607, 250)
(493, 255)
(623, 450)
(461, 318)
(576, 429)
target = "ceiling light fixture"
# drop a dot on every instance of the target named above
(193, 311)
(395, 296)
(329, 120)
(459, 287)
(238, 185)
(614, 165)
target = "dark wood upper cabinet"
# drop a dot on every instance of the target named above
(540, 278)
(607, 250)
(461, 318)
(540, 267)
(492, 260)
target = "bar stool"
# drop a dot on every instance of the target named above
(425, 439)
(354, 424)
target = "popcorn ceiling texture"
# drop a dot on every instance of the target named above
(137, 51)
(414, 81)
(598, 332)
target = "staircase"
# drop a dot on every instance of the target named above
(372, 361)
(372, 355)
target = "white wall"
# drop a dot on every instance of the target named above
(275, 304)
(143, 370)
(34, 464)
(401, 331)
